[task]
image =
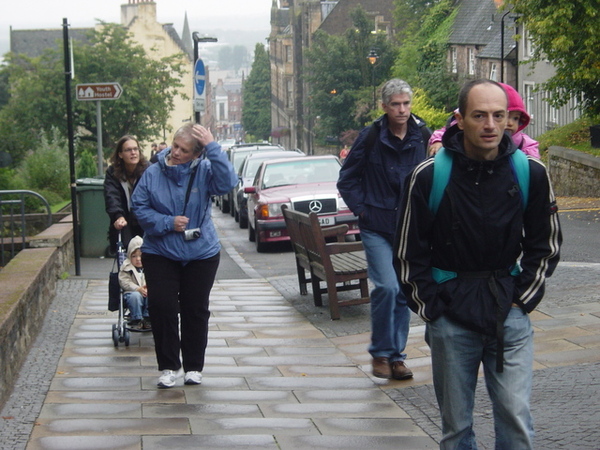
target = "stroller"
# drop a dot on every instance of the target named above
(120, 332)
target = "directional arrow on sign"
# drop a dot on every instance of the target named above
(98, 91)
(199, 77)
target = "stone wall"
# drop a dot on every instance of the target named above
(28, 285)
(573, 173)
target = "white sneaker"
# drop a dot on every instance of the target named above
(192, 377)
(167, 379)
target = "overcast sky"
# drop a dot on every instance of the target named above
(202, 14)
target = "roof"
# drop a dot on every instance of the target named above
(339, 20)
(33, 42)
(492, 49)
(476, 23)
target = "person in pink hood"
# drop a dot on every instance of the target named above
(518, 119)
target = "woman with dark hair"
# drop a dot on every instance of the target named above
(127, 164)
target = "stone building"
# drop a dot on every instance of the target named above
(481, 44)
(293, 23)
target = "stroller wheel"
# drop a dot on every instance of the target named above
(126, 337)
(115, 335)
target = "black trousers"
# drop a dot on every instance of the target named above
(179, 290)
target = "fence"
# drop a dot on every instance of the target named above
(545, 117)
(17, 222)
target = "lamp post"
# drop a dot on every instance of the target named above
(373, 57)
(502, 46)
(197, 38)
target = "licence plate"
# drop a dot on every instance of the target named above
(325, 221)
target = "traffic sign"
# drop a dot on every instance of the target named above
(199, 77)
(199, 86)
(98, 91)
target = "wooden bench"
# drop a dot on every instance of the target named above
(341, 265)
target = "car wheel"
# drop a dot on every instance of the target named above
(243, 221)
(225, 205)
(261, 246)
(251, 234)
(236, 215)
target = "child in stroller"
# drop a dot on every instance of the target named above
(133, 283)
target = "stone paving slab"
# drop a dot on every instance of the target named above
(269, 375)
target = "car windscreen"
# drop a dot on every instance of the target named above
(301, 172)
(237, 158)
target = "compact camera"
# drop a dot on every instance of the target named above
(192, 235)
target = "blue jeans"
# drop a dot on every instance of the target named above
(390, 316)
(137, 304)
(456, 354)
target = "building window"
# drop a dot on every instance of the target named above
(528, 48)
(528, 97)
(289, 94)
(453, 60)
(493, 72)
(471, 59)
(288, 53)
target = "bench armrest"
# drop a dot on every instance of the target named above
(344, 247)
(336, 230)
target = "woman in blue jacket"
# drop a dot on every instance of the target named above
(181, 248)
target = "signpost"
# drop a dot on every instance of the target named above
(98, 92)
(199, 87)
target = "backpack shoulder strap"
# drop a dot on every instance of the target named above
(371, 136)
(442, 167)
(520, 167)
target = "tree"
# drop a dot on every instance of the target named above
(256, 96)
(341, 77)
(233, 57)
(225, 58)
(422, 56)
(46, 169)
(566, 33)
(37, 94)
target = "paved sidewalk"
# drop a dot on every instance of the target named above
(272, 380)
(280, 375)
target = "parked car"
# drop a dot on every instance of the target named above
(246, 176)
(236, 154)
(306, 184)
(227, 143)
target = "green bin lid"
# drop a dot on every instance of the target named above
(90, 181)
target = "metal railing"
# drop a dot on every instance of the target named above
(14, 218)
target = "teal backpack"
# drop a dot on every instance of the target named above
(442, 167)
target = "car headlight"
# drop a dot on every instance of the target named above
(275, 209)
(271, 211)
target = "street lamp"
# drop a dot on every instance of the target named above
(197, 38)
(372, 58)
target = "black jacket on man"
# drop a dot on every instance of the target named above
(481, 226)
(373, 174)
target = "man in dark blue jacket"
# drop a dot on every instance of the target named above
(370, 183)
(495, 244)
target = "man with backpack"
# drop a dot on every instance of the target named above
(370, 183)
(473, 264)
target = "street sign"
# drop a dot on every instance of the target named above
(199, 86)
(199, 77)
(98, 91)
